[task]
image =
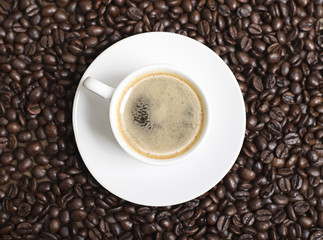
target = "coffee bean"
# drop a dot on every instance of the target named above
(276, 114)
(305, 221)
(203, 28)
(296, 182)
(58, 36)
(231, 183)
(54, 225)
(255, 204)
(267, 156)
(291, 138)
(254, 29)
(25, 165)
(280, 199)
(223, 223)
(134, 13)
(263, 215)
(282, 151)
(33, 109)
(95, 30)
(284, 184)
(18, 64)
(32, 10)
(245, 44)
(274, 127)
(67, 183)
(46, 41)
(257, 83)
(36, 95)
(48, 11)
(24, 136)
(224, 10)
(79, 215)
(316, 235)
(273, 57)
(69, 58)
(24, 228)
(270, 81)
(13, 127)
(247, 174)
(301, 207)
(279, 217)
(248, 219)
(244, 11)
(39, 171)
(316, 101)
(85, 6)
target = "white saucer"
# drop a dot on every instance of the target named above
(160, 185)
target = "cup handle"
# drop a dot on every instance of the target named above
(98, 87)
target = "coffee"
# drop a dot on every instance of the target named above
(161, 115)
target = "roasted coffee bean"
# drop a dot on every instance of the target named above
(247, 174)
(279, 217)
(78, 215)
(33, 109)
(280, 199)
(3, 142)
(257, 84)
(24, 136)
(317, 235)
(245, 44)
(248, 219)
(231, 183)
(254, 29)
(274, 127)
(33, 148)
(291, 138)
(223, 223)
(282, 150)
(263, 215)
(25, 165)
(24, 228)
(276, 114)
(305, 221)
(67, 183)
(95, 30)
(296, 182)
(301, 207)
(203, 28)
(46, 41)
(48, 10)
(267, 156)
(39, 171)
(13, 127)
(243, 59)
(284, 184)
(69, 58)
(270, 81)
(135, 13)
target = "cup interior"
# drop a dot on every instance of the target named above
(118, 95)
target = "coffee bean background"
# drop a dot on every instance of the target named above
(273, 191)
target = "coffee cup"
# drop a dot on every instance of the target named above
(158, 114)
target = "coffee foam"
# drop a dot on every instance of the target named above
(161, 115)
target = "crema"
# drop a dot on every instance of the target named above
(161, 115)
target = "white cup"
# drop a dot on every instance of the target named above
(115, 95)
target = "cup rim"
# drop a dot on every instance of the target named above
(116, 98)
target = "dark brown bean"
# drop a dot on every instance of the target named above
(263, 215)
